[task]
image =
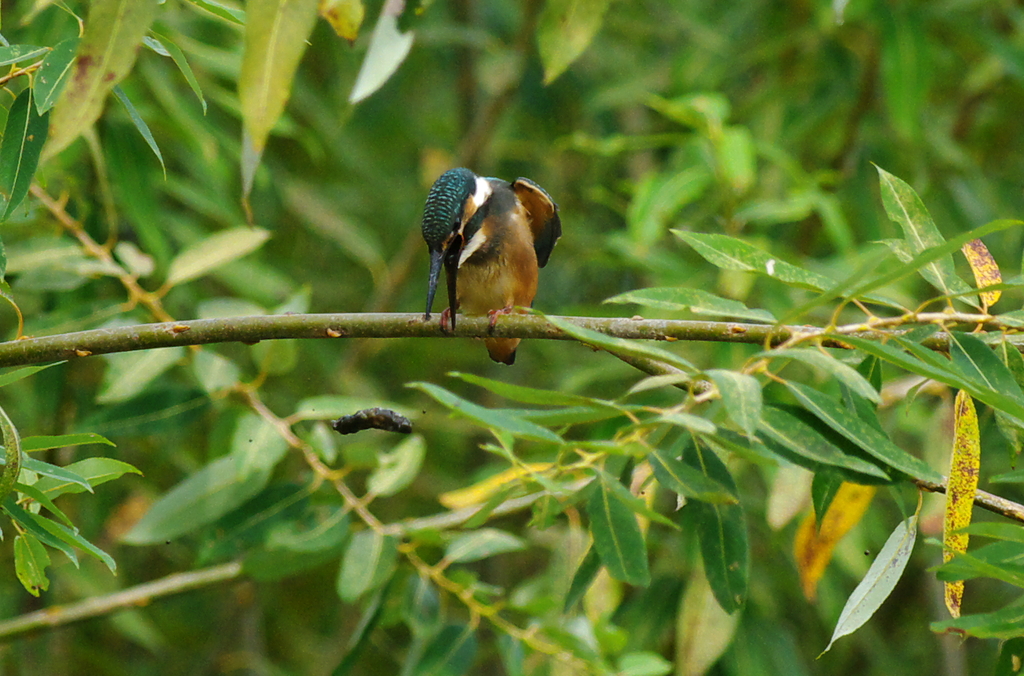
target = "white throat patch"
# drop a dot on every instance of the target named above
(483, 191)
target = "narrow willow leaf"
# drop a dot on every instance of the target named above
(1004, 623)
(71, 537)
(483, 491)
(24, 136)
(221, 10)
(878, 583)
(359, 636)
(256, 445)
(481, 544)
(451, 651)
(496, 418)
(585, 573)
(53, 74)
(656, 199)
(398, 468)
(388, 48)
(824, 488)
(997, 530)
(907, 210)
(643, 663)
(1011, 428)
(620, 346)
(698, 301)
(58, 474)
(30, 564)
(731, 253)
(129, 373)
(106, 53)
(15, 53)
(367, 564)
(826, 362)
(737, 158)
(345, 17)
(964, 464)
(722, 532)
(985, 269)
(531, 395)
(617, 537)
(202, 498)
(741, 395)
(93, 471)
(174, 52)
(23, 372)
(687, 481)
(639, 505)
(140, 125)
(703, 629)
(801, 444)
(998, 560)
(979, 362)
(564, 31)
(33, 524)
(214, 252)
(276, 34)
(816, 539)
(861, 433)
(45, 443)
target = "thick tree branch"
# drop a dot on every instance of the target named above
(407, 325)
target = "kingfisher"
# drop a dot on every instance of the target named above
(492, 236)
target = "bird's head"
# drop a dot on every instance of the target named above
(453, 199)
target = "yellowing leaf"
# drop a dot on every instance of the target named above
(345, 16)
(814, 543)
(106, 54)
(986, 271)
(478, 493)
(963, 482)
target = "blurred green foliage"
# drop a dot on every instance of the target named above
(758, 121)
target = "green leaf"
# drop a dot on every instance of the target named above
(588, 569)
(861, 433)
(531, 395)
(44, 500)
(824, 487)
(368, 562)
(53, 74)
(741, 395)
(481, 544)
(999, 560)
(657, 198)
(879, 581)
(159, 42)
(421, 606)
(564, 31)
(388, 48)
(978, 362)
(643, 664)
(106, 53)
(821, 359)
(232, 14)
(1004, 623)
(39, 528)
(801, 444)
(698, 301)
(214, 372)
(998, 530)
(451, 652)
(30, 564)
(398, 468)
(45, 443)
(23, 372)
(327, 534)
(737, 158)
(257, 445)
(617, 537)
(202, 498)
(59, 474)
(24, 136)
(907, 210)
(140, 125)
(722, 532)
(95, 471)
(72, 538)
(129, 373)
(496, 418)
(214, 252)
(620, 346)
(688, 421)
(359, 636)
(731, 253)
(15, 53)
(687, 481)
(276, 34)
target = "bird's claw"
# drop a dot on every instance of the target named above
(492, 316)
(446, 316)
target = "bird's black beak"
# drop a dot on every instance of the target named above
(436, 258)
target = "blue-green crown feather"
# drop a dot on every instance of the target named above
(445, 203)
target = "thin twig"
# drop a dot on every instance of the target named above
(983, 499)
(139, 595)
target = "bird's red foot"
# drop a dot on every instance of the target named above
(492, 316)
(446, 317)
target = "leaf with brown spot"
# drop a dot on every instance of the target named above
(814, 543)
(963, 483)
(986, 271)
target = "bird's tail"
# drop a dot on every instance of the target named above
(502, 350)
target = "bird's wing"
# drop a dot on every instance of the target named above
(543, 216)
